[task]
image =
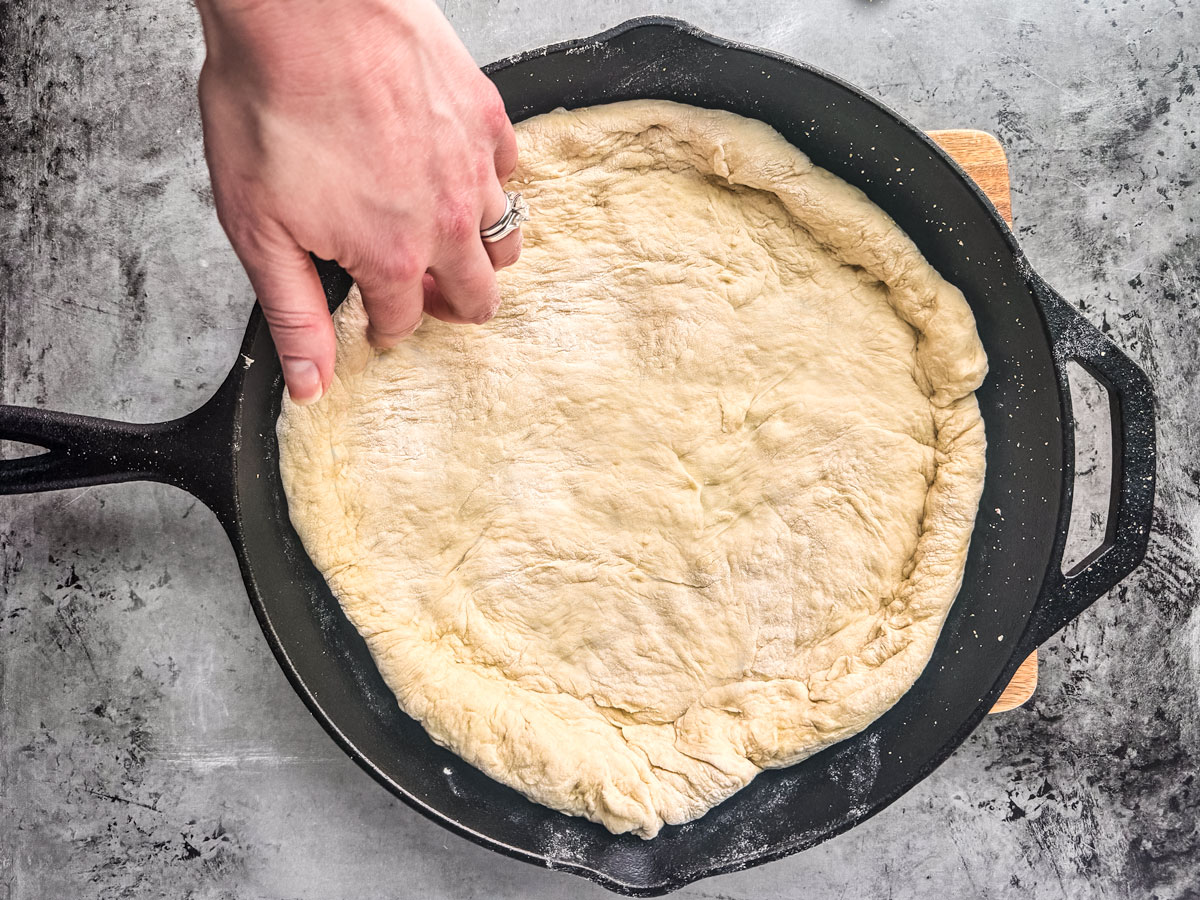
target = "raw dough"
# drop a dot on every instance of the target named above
(695, 503)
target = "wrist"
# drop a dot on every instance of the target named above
(280, 38)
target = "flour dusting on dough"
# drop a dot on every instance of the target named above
(694, 504)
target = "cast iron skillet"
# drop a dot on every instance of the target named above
(1014, 596)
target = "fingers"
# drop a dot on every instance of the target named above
(465, 289)
(436, 304)
(460, 286)
(506, 152)
(506, 251)
(293, 301)
(394, 307)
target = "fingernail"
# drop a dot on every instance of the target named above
(303, 380)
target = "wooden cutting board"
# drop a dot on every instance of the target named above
(982, 157)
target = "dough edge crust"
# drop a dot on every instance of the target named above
(735, 731)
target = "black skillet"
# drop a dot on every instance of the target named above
(1014, 596)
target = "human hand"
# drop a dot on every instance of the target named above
(362, 132)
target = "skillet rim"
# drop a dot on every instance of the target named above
(655, 886)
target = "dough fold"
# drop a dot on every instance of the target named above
(695, 503)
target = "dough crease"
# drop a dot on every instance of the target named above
(694, 504)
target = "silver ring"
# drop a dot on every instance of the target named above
(515, 212)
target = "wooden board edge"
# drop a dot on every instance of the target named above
(982, 156)
(1020, 688)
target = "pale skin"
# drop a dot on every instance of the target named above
(360, 131)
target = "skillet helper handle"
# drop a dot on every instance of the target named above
(1131, 503)
(192, 452)
(80, 450)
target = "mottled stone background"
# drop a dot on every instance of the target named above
(150, 747)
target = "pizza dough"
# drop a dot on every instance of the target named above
(694, 504)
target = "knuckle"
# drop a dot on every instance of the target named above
(458, 221)
(238, 226)
(291, 320)
(505, 165)
(401, 267)
(483, 168)
(495, 116)
(255, 239)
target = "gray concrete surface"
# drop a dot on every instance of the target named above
(150, 747)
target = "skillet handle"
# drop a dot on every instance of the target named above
(1131, 504)
(193, 452)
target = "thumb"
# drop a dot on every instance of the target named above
(293, 302)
